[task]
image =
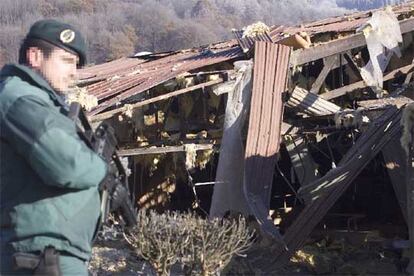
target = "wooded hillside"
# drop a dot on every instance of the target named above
(115, 28)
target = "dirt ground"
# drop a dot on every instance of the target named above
(115, 258)
(339, 253)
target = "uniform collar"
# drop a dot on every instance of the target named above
(32, 77)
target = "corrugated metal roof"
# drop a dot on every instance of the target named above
(118, 80)
(123, 78)
(271, 67)
(246, 43)
(109, 68)
(339, 24)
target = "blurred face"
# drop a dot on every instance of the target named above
(59, 68)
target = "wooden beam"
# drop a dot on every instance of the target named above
(223, 73)
(109, 114)
(361, 84)
(329, 64)
(354, 67)
(398, 101)
(302, 56)
(383, 63)
(160, 150)
(310, 103)
(408, 78)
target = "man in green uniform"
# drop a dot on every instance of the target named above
(49, 199)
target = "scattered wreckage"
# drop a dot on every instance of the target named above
(338, 86)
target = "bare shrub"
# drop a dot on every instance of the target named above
(213, 243)
(202, 247)
(159, 239)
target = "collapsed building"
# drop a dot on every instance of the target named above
(278, 123)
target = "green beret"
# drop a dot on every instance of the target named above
(61, 35)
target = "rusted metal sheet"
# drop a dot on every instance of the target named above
(247, 43)
(149, 74)
(330, 25)
(109, 68)
(330, 187)
(336, 27)
(271, 67)
(342, 30)
(117, 80)
(128, 64)
(122, 76)
(340, 24)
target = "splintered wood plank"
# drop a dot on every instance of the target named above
(271, 64)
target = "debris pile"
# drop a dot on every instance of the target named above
(317, 109)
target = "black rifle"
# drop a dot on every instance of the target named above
(114, 188)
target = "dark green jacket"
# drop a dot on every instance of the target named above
(48, 176)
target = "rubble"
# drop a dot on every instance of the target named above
(299, 140)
